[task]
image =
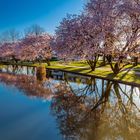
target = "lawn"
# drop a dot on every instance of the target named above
(129, 74)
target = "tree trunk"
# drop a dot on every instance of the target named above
(109, 58)
(48, 62)
(93, 66)
(16, 61)
(92, 63)
(135, 61)
(104, 62)
(116, 68)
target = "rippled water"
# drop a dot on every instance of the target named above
(39, 104)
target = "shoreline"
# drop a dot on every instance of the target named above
(100, 73)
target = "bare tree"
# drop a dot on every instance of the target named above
(11, 35)
(34, 30)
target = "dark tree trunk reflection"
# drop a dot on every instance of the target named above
(97, 111)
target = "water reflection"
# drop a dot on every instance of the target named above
(85, 108)
(26, 79)
(99, 109)
(15, 69)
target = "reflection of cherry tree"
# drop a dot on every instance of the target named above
(110, 112)
(70, 110)
(121, 114)
(28, 84)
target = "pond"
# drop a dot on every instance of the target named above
(40, 104)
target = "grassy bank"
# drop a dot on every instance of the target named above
(129, 74)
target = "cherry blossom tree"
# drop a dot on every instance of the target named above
(132, 10)
(9, 43)
(119, 26)
(78, 37)
(8, 51)
(35, 48)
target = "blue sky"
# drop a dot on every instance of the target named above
(47, 13)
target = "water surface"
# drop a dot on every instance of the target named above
(39, 104)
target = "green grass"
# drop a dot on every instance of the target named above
(129, 74)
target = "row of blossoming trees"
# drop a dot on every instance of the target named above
(33, 47)
(106, 28)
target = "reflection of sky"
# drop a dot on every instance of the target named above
(80, 84)
(135, 91)
(136, 96)
(19, 70)
(23, 118)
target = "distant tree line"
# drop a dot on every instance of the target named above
(34, 45)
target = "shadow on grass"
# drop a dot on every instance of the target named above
(127, 70)
(124, 75)
(76, 69)
(102, 65)
(111, 75)
(137, 69)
